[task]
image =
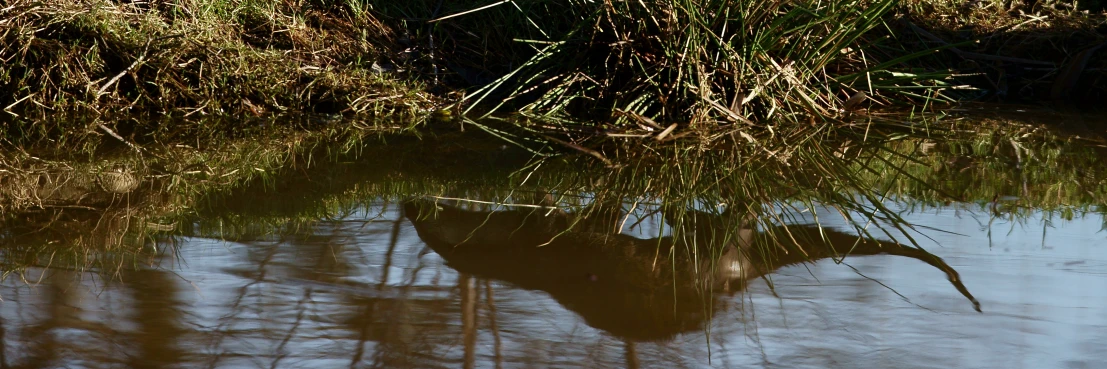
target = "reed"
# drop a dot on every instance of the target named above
(696, 62)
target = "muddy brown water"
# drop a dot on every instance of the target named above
(369, 290)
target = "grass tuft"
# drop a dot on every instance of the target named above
(198, 57)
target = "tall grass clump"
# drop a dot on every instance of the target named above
(690, 61)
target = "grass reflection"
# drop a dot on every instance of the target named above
(65, 213)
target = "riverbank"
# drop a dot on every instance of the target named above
(624, 65)
(148, 60)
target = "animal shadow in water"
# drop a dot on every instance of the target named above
(637, 289)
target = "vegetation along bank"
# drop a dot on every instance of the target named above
(697, 63)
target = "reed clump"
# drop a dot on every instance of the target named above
(696, 62)
(717, 62)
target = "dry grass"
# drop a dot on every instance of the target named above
(710, 66)
(194, 57)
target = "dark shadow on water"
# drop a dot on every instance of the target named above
(636, 289)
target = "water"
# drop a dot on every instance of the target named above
(315, 262)
(365, 290)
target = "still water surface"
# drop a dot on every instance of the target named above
(367, 291)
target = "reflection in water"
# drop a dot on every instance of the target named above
(635, 289)
(305, 267)
(468, 317)
(158, 315)
(365, 291)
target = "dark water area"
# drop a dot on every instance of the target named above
(410, 275)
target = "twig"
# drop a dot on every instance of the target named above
(118, 137)
(583, 149)
(141, 59)
(627, 135)
(661, 136)
(493, 202)
(8, 109)
(469, 11)
(644, 120)
(730, 114)
(113, 80)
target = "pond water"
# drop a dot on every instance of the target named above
(404, 258)
(365, 290)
